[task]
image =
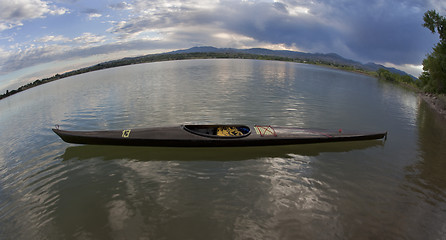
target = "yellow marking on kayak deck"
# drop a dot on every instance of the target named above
(126, 133)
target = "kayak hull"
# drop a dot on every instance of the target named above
(195, 136)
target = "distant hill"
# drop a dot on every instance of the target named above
(374, 67)
(330, 58)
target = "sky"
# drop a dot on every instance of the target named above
(39, 38)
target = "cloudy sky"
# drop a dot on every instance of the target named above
(39, 38)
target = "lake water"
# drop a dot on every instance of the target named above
(363, 190)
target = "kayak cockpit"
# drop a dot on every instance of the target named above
(219, 131)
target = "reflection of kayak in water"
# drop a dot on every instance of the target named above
(110, 152)
(213, 136)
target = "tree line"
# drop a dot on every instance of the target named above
(433, 78)
(386, 75)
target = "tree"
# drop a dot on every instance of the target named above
(385, 74)
(433, 78)
(436, 23)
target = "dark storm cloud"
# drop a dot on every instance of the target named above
(375, 30)
(380, 31)
(273, 23)
(388, 33)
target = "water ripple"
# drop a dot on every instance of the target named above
(364, 190)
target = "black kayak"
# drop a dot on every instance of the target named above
(213, 136)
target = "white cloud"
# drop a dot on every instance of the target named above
(6, 26)
(121, 6)
(94, 15)
(232, 37)
(3, 55)
(13, 13)
(29, 55)
(89, 38)
(49, 48)
(439, 5)
(414, 70)
(52, 38)
(58, 11)
(85, 38)
(156, 15)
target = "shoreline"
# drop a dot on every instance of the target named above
(435, 102)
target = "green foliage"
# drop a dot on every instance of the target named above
(436, 23)
(386, 75)
(433, 78)
(434, 66)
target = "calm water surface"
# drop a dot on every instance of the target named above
(364, 190)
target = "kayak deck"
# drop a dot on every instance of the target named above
(213, 136)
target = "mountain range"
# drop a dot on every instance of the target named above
(330, 58)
